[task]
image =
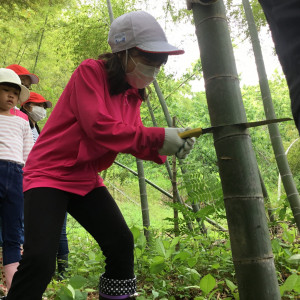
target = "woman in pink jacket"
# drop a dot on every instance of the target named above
(96, 117)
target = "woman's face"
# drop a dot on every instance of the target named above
(143, 60)
(138, 58)
(28, 106)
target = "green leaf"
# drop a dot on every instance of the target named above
(216, 266)
(192, 261)
(182, 256)
(297, 286)
(231, 285)
(70, 288)
(276, 245)
(80, 295)
(295, 259)
(282, 213)
(92, 255)
(160, 247)
(155, 294)
(289, 284)
(136, 232)
(83, 270)
(175, 241)
(207, 283)
(141, 241)
(65, 294)
(77, 281)
(157, 265)
(138, 252)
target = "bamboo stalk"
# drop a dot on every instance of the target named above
(177, 194)
(144, 199)
(169, 122)
(40, 44)
(174, 185)
(248, 229)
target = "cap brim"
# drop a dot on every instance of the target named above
(34, 78)
(159, 47)
(24, 94)
(48, 104)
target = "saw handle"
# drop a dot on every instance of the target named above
(190, 133)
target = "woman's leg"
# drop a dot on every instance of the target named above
(98, 213)
(44, 212)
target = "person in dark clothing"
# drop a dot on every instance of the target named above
(35, 108)
(283, 17)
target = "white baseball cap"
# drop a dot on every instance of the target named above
(9, 76)
(139, 29)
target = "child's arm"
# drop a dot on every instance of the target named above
(27, 141)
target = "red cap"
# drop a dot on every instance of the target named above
(22, 71)
(37, 98)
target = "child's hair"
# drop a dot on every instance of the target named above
(116, 73)
(11, 85)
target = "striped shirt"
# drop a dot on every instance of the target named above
(15, 139)
(35, 134)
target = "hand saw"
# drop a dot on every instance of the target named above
(199, 131)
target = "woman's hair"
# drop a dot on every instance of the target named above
(116, 73)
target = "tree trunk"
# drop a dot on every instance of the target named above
(282, 162)
(244, 203)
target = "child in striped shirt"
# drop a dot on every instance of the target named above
(15, 144)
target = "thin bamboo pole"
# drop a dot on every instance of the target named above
(210, 221)
(248, 229)
(179, 199)
(140, 167)
(146, 180)
(174, 185)
(40, 45)
(169, 122)
(144, 199)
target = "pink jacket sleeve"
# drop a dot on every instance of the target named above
(88, 101)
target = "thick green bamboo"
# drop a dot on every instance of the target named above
(250, 241)
(281, 159)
